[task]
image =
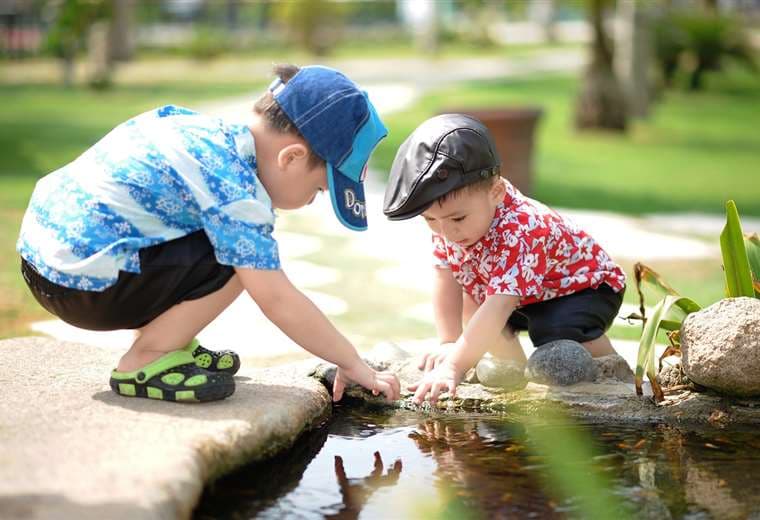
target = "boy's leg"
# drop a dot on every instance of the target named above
(508, 345)
(582, 316)
(176, 327)
(600, 346)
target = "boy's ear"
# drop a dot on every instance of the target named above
(291, 154)
(497, 191)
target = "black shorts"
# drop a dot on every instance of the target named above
(581, 316)
(175, 271)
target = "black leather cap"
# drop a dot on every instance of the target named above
(444, 153)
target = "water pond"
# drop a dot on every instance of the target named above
(368, 464)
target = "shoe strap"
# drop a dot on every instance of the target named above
(165, 362)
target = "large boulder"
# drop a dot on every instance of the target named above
(720, 346)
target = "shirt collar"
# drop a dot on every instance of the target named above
(244, 144)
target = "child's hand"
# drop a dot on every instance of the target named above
(384, 383)
(432, 359)
(445, 376)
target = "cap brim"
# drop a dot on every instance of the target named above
(407, 214)
(348, 200)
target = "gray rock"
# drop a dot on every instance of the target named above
(471, 377)
(501, 373)
(613, 367)
(672, 375)
(720, 346)
(563, 362)
(385, 353)
(325, 372)
(609, 400)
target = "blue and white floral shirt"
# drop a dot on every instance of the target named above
(159, 176)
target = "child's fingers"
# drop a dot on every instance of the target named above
(393, 382)
(452, 389)
(422, 391)
(413, 386)
(430, 363)
(382, 387)
(338, 387)
(435, 391)
(390, 387)
(423, 360)
(378, 465)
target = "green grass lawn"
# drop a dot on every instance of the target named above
(44, 128)
(693, 153)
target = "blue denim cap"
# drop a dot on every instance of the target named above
(341, 126)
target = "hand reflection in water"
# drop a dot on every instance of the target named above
(356, 491)
(448, 444)
(481, 467)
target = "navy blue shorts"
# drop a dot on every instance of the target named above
(581, 316)
(172, 272)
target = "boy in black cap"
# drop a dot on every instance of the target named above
(504, 262)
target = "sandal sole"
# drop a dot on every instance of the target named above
(207, 393)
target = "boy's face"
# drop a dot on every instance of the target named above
(308, 184)
(466, 217)
(297, 183)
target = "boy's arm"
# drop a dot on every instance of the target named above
(481, 332)
(447, 305)
(288, 308)
(447, 311)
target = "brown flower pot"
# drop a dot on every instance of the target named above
(512, 130)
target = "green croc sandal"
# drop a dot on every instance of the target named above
(174, 377)
(214, 360)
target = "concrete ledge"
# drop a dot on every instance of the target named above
(74, 449)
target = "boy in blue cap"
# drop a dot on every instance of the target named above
(166, 220)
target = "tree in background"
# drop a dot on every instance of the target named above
(601, 103)
(315, 25)
(121, 44)
(68, 32)
(697, 42)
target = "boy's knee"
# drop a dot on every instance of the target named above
(509, 332)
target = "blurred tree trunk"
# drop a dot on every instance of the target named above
(231, 14)
(67, 70)
(121, 43)
(633, 54)
(428, 35)
(601, 103)
(544, 13)
(99, 64)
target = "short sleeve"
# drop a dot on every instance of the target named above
(440, 258)
(518, 263)
(239, 238)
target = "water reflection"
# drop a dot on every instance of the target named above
(356, 491)
(399, 465)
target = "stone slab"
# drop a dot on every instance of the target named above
(74, 449)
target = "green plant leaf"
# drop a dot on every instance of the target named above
(669, 314)
(735, 261)
(644, 273)
(752, 245)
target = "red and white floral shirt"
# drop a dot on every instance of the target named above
(529, 251)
